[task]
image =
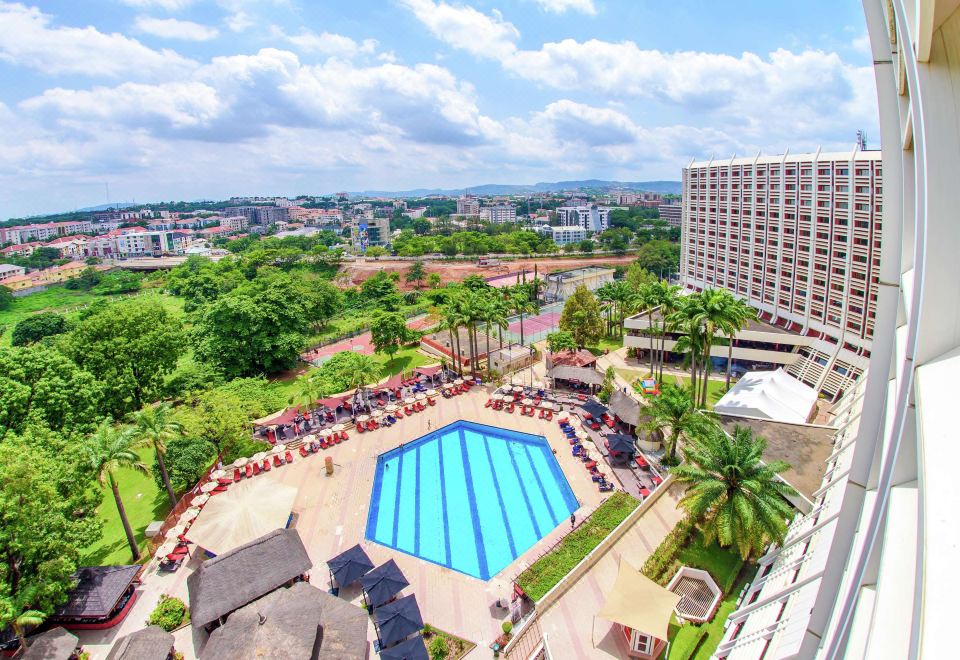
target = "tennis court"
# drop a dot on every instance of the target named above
(535, 328)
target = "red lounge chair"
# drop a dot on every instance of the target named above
(542, 414)
(549, 415)
(360, 429)
(645, 492)
(510, 408)
(276, 460)
(582, 397)
(219, 489)
(398, 414)
(344, 436)
(432, 402)
(224, 481)
(657, 481)
(407, 410)
(266, 465)
(590, 465)
(641, 462)
(236, 474)
(249, 470)
(288, 456)
(562, 421)
(256, 468)
(303, 451)
(176, 556)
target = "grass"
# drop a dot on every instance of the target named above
(698, 642)
(715, 388)
(545, 573)
(606, 344)
(144, 503)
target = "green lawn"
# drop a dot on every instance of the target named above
(541, 576)
(606, 344)
(144, 503)
(715, 388)
(685, 642)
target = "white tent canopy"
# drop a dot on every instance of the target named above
(774, 395)
(247, 511)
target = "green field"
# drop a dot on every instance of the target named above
(715, 388)
(144, 503)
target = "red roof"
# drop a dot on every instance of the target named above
(579, 358)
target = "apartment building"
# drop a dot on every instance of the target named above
(797, 237)
(43, 231)
(499, 214)
(587, 216)
(671, 214)
(468, 205)
(369, 232)
(259, 215)
(567, 235)
(235, 223)
(9, 270)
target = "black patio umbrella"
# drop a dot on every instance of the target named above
(382, 583)
(349, 566)
(398, 620)
(412, 649)
(621, 444)
(594, 408)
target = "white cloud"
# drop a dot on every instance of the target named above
(27, 38)
(172, 28)
(466, 28)
(562, 6)
(325, 43)
(168, 5)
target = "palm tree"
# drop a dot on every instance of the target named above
(669, 301)
(28, 618)
(675, 410)
(307, 391)
(739, 314)
(684, 321)
(645, 299)
(154, 426)
(110, 448)
(732, 494)
(604, 294)
(711, 311)
(363, 371)
(494, 315)
(521, 304)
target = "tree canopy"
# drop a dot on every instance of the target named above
(581, 317)
(389, 332)
(34, 328)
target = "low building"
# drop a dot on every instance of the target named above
(235, 223)
(567, 235)
(591, 217)
(150, 643)
(369, 232)
(468, 205)
(671, 214)
(9, 270)
(499, 214)
(21, 249)
(102, 598)
(560, 286)
(578, 358)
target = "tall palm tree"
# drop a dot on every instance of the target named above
(110, 448)
(154, 426)
(669, 300)
(735, 497)
(711, 310)
(307, 391)
(739, 314)
(684, 321)
(494, 315)
(674, 413)
(645, 299)
(26, 619)
(521, 304)
(604, 294)
(622, 294)
(363, 371)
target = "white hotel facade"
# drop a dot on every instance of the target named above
(871, 571)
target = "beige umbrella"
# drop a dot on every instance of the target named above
(631, 588)
(377, 413)
(409, 399)
(497, 397)
(165, 549)
(583, 435)
(200, 500)
(363, 418)
(279, 449)
(190, 514)
(175, 531)
(574, 421)
(218, 474)
(528, 401)
(259, 456)
(391, 407)
(248, 511)
(207, 487)
(240, 462)
(431, 392)
(517, 388)
(337, 427)
(458, 381)
(537, 384)
(323, 433)
(421, 396)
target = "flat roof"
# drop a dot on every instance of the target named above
(806, 448)
(579, 272)
(789, 158)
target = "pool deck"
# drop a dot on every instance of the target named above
(332, 514)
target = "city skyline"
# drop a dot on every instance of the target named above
(188, 99)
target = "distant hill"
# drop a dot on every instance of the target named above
(107, 207)
(593, 185)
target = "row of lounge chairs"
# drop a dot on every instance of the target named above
(578, 451)
(510, 407)
(392, 418)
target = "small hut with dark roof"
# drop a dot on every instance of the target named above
(150, 643)
(242, 575)
(101, 597)
(54, 644)
(625, 407)
(298, 622)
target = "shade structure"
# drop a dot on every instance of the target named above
(54, 644)
(772, 395)
(497, 397)
(209, 486)
(363, 418)
(574, 422)
(218, 474)
(639, 603)
(377, 413)
(240, 462)
(582, 435)
(279, 448)
(391, 407)
(420, 396)
(527, 401)
(398, 620)
(246, 512)
(383, 583)
(175, 531)
(517, 388)
(337, 427)
(458, 381)
(594, 408)
(409, 399)
(190, 513)
(199, 500)
(431, 392)
(349, 566)
(259, 456)
(412, 649)
(621, 443)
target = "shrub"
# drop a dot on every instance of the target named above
(506, 627)
(34, 328)
(438, 648)
(170, 613)
(186, 460)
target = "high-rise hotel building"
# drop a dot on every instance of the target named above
(798, 238)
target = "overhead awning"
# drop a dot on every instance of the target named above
(349, 566)
(383, 583)
(398, 620)
(412, 649)
(625, 407)
(594, 408)
(639, 603)
(772, 395)
(582, 374)
(620, 443)
(247, 511)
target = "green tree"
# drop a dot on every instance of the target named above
(155, 426)
(518, 297)
(661, 257)
(6, 298)
(735, 498)
(674, 414)
(561, 340)
(34, 328)
(375, 252)
(388, 332)
(129, 347)
(47, 515)
(307, 391)
(89, 278)
(38, 384)
(581, 317)
(28, 619)
(221, 418)
(738, 315)
(186, 460)
(609, 385)
(324, 301)
(121, 281)
(259, 327)
(109, 449)
(433, 280)
(416, 273)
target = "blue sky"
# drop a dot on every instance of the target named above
(188, 99)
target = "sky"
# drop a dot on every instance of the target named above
(206, 99)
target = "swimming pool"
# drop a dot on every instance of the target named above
(469, 497)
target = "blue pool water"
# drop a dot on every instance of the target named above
(469, 497)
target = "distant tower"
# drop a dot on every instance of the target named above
(862, 140)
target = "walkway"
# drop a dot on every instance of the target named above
(572, 628)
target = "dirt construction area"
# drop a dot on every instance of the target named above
(354, 272)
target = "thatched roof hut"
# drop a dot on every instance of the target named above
(298, 622)
(54, 644)
(231, 580)
(150, 643)
(625, 407)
